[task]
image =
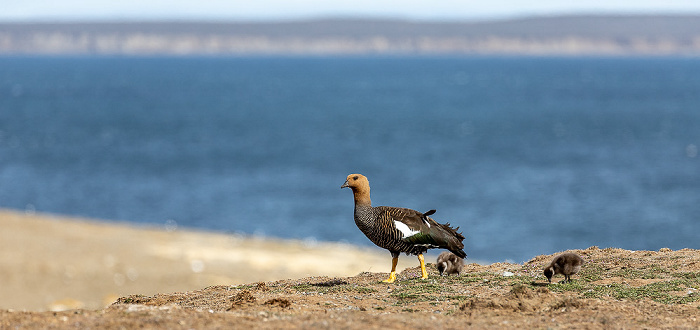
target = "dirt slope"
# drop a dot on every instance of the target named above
(615, 289)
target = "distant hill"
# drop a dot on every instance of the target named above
(560, 36)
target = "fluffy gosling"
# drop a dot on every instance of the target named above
(448, 263)
(566, 264)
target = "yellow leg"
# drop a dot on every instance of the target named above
(423, 271)
(392, 275)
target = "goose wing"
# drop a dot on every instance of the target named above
(419, 229)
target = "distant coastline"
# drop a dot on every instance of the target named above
(635, 35)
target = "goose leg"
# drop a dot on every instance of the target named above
(392, 275)
(423, 271)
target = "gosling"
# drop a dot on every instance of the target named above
(566, 264)
(449, 263)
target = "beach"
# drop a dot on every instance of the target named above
(50, 262)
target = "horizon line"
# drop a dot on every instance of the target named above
(338, 17)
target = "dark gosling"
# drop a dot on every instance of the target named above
(448, 263)
(566, 264)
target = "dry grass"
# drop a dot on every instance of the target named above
(615, 289)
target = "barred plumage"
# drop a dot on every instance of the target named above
(400, 229)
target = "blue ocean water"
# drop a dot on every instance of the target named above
(526, 155)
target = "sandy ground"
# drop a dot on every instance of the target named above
(101, 276)
(53, 263)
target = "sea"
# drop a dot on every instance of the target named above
(527, 155)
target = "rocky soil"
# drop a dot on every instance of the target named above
(615, 289)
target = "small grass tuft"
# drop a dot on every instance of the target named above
(688, 275)
(666, 292)
(647, 272)
(591, 273)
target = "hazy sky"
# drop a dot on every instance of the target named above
(18, 10)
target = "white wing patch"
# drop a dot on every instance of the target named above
(403, 228)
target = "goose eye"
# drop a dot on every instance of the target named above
(355, 177)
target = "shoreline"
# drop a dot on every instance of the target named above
(51, 262)
(558, 35)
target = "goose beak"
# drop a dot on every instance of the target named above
(345, 185)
